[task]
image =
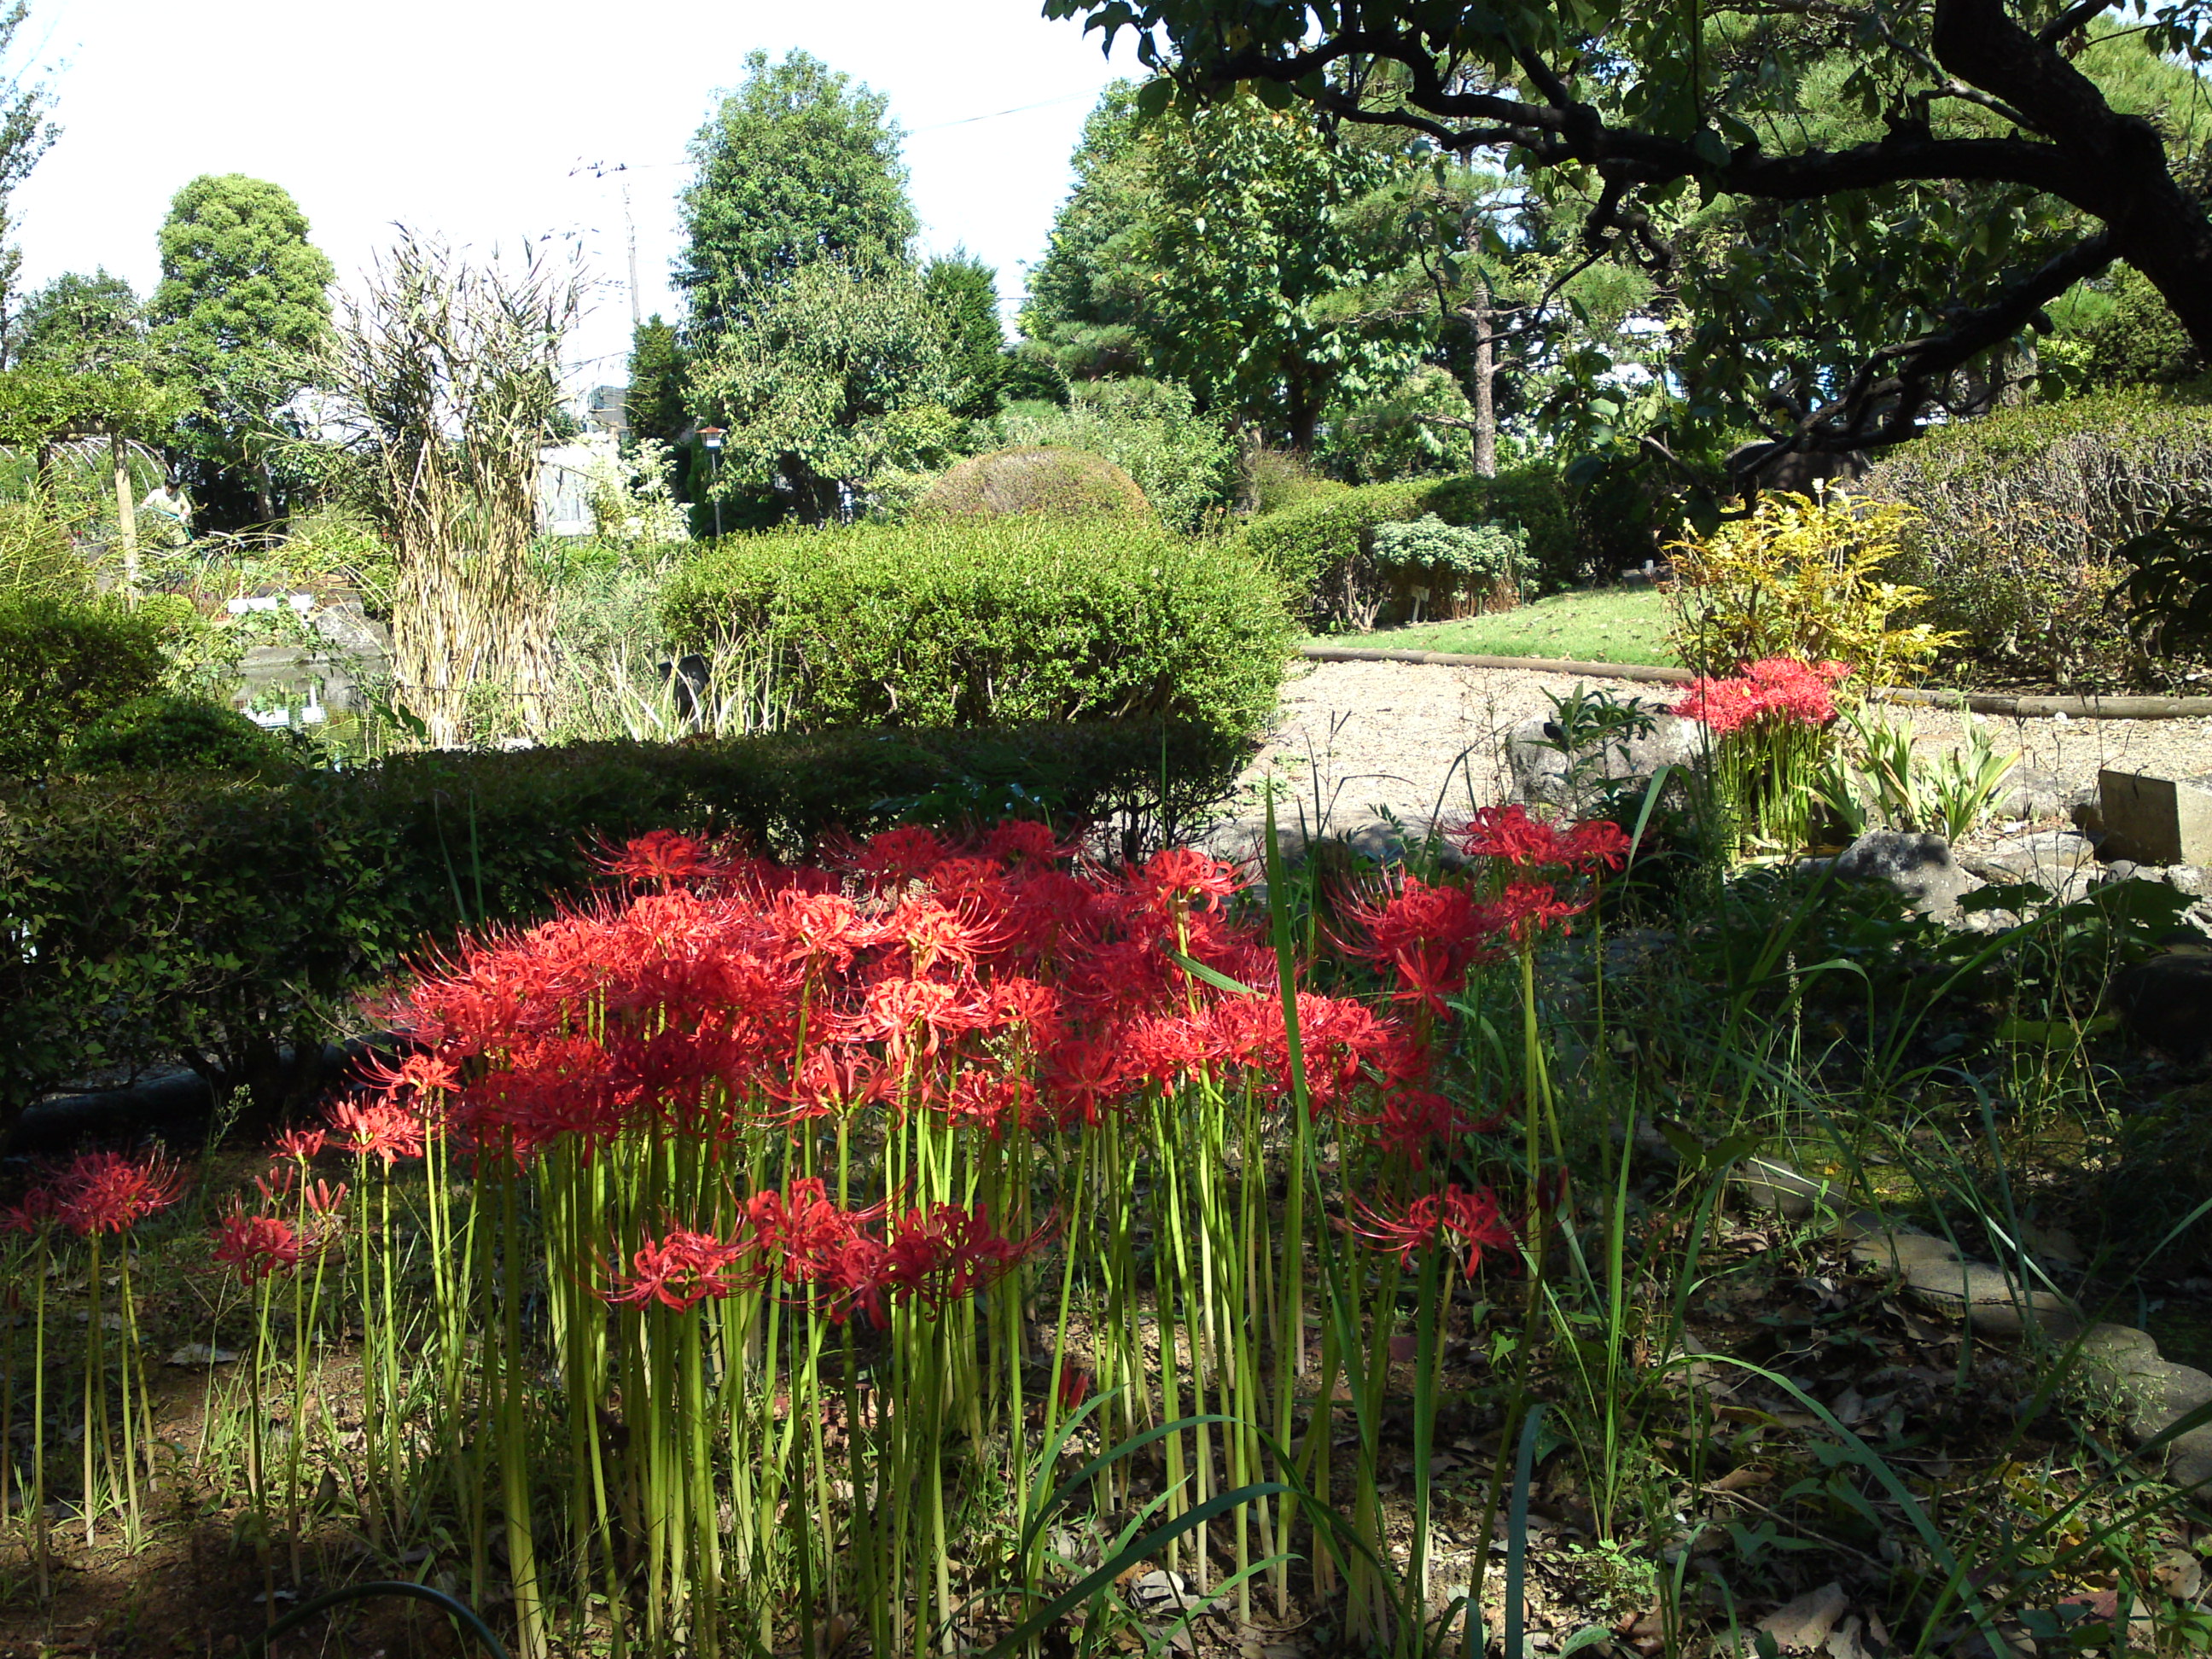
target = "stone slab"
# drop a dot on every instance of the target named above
(2154, 820)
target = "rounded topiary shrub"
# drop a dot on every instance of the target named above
(63, 665)
(1042, 478)
(994, 622)
(175, 734)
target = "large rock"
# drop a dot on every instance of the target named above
(351, 630)
(1920, 867)
(2027, 793)
(1544, 776)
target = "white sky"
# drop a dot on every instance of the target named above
(470, 118)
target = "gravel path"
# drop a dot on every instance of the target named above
(1356, 740)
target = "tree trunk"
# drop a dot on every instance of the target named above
(264, 496)
(1485, 389)
(126, 516)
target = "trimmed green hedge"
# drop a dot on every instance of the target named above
(150, 918)
(63, 665)
(990, 623)
(1321, 549)
(2020, 513)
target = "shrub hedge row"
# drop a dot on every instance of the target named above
(64, 663)
(1022, 619)
(146, 920)
(1322, 552)
(2018, 514)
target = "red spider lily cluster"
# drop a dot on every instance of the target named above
(997, 986)
(937, 1255)
(1781, 688)
(1428, 937)
(1468, 1219)
(97, 1193)
(302, 1218)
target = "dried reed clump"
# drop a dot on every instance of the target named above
(448, 373)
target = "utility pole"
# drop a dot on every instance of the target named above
(629, 225)
(600, 170)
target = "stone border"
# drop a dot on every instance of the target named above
(2155, 1392)
(1978, 702)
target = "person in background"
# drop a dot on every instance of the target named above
(169, 515)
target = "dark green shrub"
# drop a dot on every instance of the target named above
(2020, 514)
(223, 921)
(2136, 342)
(1322, 550)
(165, 734)
(63, 665)
(1038, 479)
(998, 621)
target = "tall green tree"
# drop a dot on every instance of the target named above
(244, 303)
(835, 380)
(1202, 245)
(79, 323)
(655, 407)
(1990, 142)
(965, 292)
(800, 164)
(26, 134)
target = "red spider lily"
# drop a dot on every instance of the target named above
(377, 1129)
(1413, 1119)
(899, 856)
(282, 1183)
(804, 1228)
(898, 1012)
(107, 1192)
(1509, 833)
(1181, 878)
(679, 1271)
(1470, 1218)
(258, 1246)
(934, 934)
(1782, 687)
(829, 1078)
(1338, 1037)
(1074, 1386)
(1428, 935)
(818, 927)
(37, 1210)
(416, 1073)
(947, 1254)
(994, 1102)
(665, 857)
(1024, 841)
(1527, 908)
(1084, 1077)
(301, 1145)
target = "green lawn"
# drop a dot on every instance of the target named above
(1609, 625)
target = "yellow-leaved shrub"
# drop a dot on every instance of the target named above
(1799, 576)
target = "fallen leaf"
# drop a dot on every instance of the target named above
(2179, 1574)
(1801, 1625)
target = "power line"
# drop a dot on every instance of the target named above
(606, 169)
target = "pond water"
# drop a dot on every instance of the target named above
(306, 684)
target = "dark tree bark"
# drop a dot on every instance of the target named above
(1483, 394)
